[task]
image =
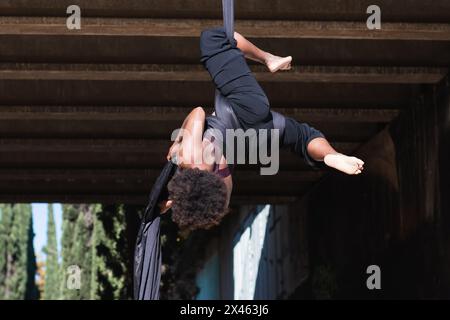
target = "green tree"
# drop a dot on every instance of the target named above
(77, 249)
(52, 275)
(5, 228)
(70, 216)
(32, 290)
(109, 277)
(99, 241)
(18, 261)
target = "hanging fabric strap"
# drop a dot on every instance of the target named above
(228, 23)
(222, 107)
(228, 18)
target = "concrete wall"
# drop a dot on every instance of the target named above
(395, 215)
(263, 256)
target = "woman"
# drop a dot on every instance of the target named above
(200, 191)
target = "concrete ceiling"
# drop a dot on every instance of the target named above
(85, 115)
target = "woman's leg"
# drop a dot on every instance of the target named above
(252, 52)
(229, 70)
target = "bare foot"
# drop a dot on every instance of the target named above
(275, 63)
(343, 163)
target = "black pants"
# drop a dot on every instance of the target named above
(230, 73)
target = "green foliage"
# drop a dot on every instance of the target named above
(94, 239)
(32, 290)
(110, 274)
(52, 282)
(17, 262)
(5, 228)
(77, 241)
(99, 240)
(70, 216)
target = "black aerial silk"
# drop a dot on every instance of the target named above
(147, 255)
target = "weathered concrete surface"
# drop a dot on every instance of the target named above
(110, 153)
(124, 113)
(135, 40)
(132, 85)
(395, 215)
(106, 96)
(393, 10)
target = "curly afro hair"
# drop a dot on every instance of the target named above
(199, 199)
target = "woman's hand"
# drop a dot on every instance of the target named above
(174, 150)
(164, 206)
(343, 163)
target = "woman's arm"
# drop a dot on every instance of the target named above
(188, 143)
(320, 150)
(229, 184)
(227, 180)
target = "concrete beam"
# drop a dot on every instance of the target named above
(191, 28)
(137, 85)
(150, 113)
(190, 73)
(153, 129)
(159, 122)
(135, 40)
(102, 153)
(401, 10)
(134, 199)
(108, 181)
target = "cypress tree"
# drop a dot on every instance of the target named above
(52, 283)
(18, 262)
(77, 244)
(97, 239)
(82, 256)
(70, 216)
(110, 253)
(5, 228)
(32, 291)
